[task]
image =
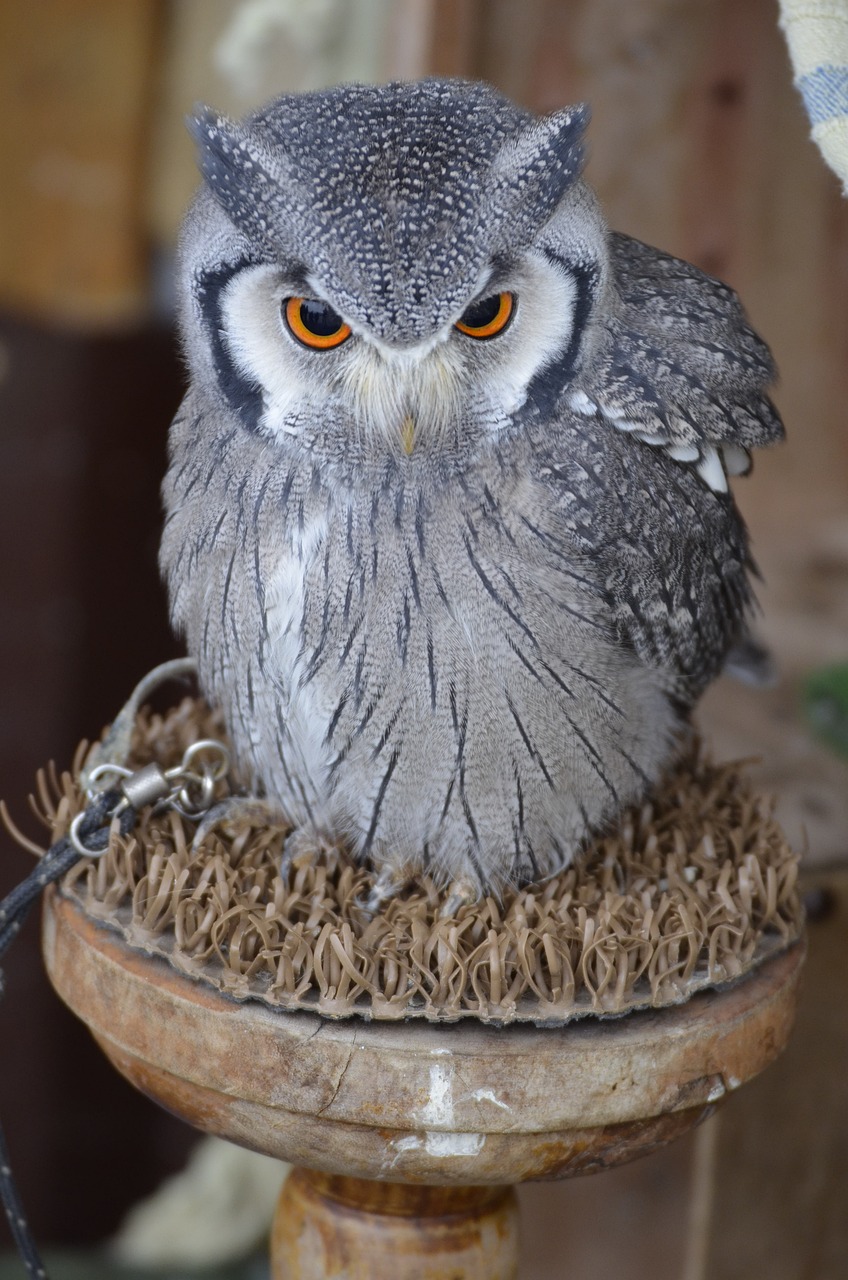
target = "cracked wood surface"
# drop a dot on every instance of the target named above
(460, 1103)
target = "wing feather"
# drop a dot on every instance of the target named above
(671, 399)
(678, 365)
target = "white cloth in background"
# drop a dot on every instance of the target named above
(217, 1210)
(817, 34)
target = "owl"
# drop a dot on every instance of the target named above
(448, 527)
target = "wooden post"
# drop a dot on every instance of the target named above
(461, 1111)
(331, 1227)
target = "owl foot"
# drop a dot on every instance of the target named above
(386, 886)
(304, 844)
(463, 892)
(236, 812)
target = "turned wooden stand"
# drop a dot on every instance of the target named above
(409, 1137)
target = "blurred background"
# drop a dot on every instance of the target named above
(699, 144)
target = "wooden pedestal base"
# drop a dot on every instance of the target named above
(363, 1230)
(418, 1131)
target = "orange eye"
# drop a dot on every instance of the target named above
(488, 317)
(315, 323)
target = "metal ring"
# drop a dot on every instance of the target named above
(191, 805)
(104, 771)
(220, 769)
(74, 836)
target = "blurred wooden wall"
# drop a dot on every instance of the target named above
(76, 82)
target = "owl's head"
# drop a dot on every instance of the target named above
(400, 268)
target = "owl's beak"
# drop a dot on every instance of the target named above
(407, 434)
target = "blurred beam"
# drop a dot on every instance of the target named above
(411, 34)
(457, 37)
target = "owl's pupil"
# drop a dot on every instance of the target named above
(482, 313)
(319, 318)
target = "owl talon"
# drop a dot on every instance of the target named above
(461, 893)
(386, 886)
(232, 810)
(304, 843)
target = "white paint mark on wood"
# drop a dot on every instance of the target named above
(410, 1143)
(439, 1110)
(486, 1095)
(454, 1144)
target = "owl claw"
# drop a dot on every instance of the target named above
(232, 809)
(304, 842)
(461, 893)
(386, 886)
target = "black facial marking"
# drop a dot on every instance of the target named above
(243, 395)
(548, 384)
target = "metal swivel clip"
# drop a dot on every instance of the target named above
(188, 787)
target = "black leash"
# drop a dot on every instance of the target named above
(94, 829)
(91, 836)
(183, 788)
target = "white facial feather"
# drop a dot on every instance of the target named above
(540, 330)
(251, 312)
(441, 384)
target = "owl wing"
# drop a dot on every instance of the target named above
(679, 366)
(676, 576)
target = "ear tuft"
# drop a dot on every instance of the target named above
(235, 170)
(537, 166)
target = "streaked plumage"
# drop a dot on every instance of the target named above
(455, 595)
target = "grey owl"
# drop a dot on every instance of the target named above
(448, 523)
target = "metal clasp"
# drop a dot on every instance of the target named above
(188, 787)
